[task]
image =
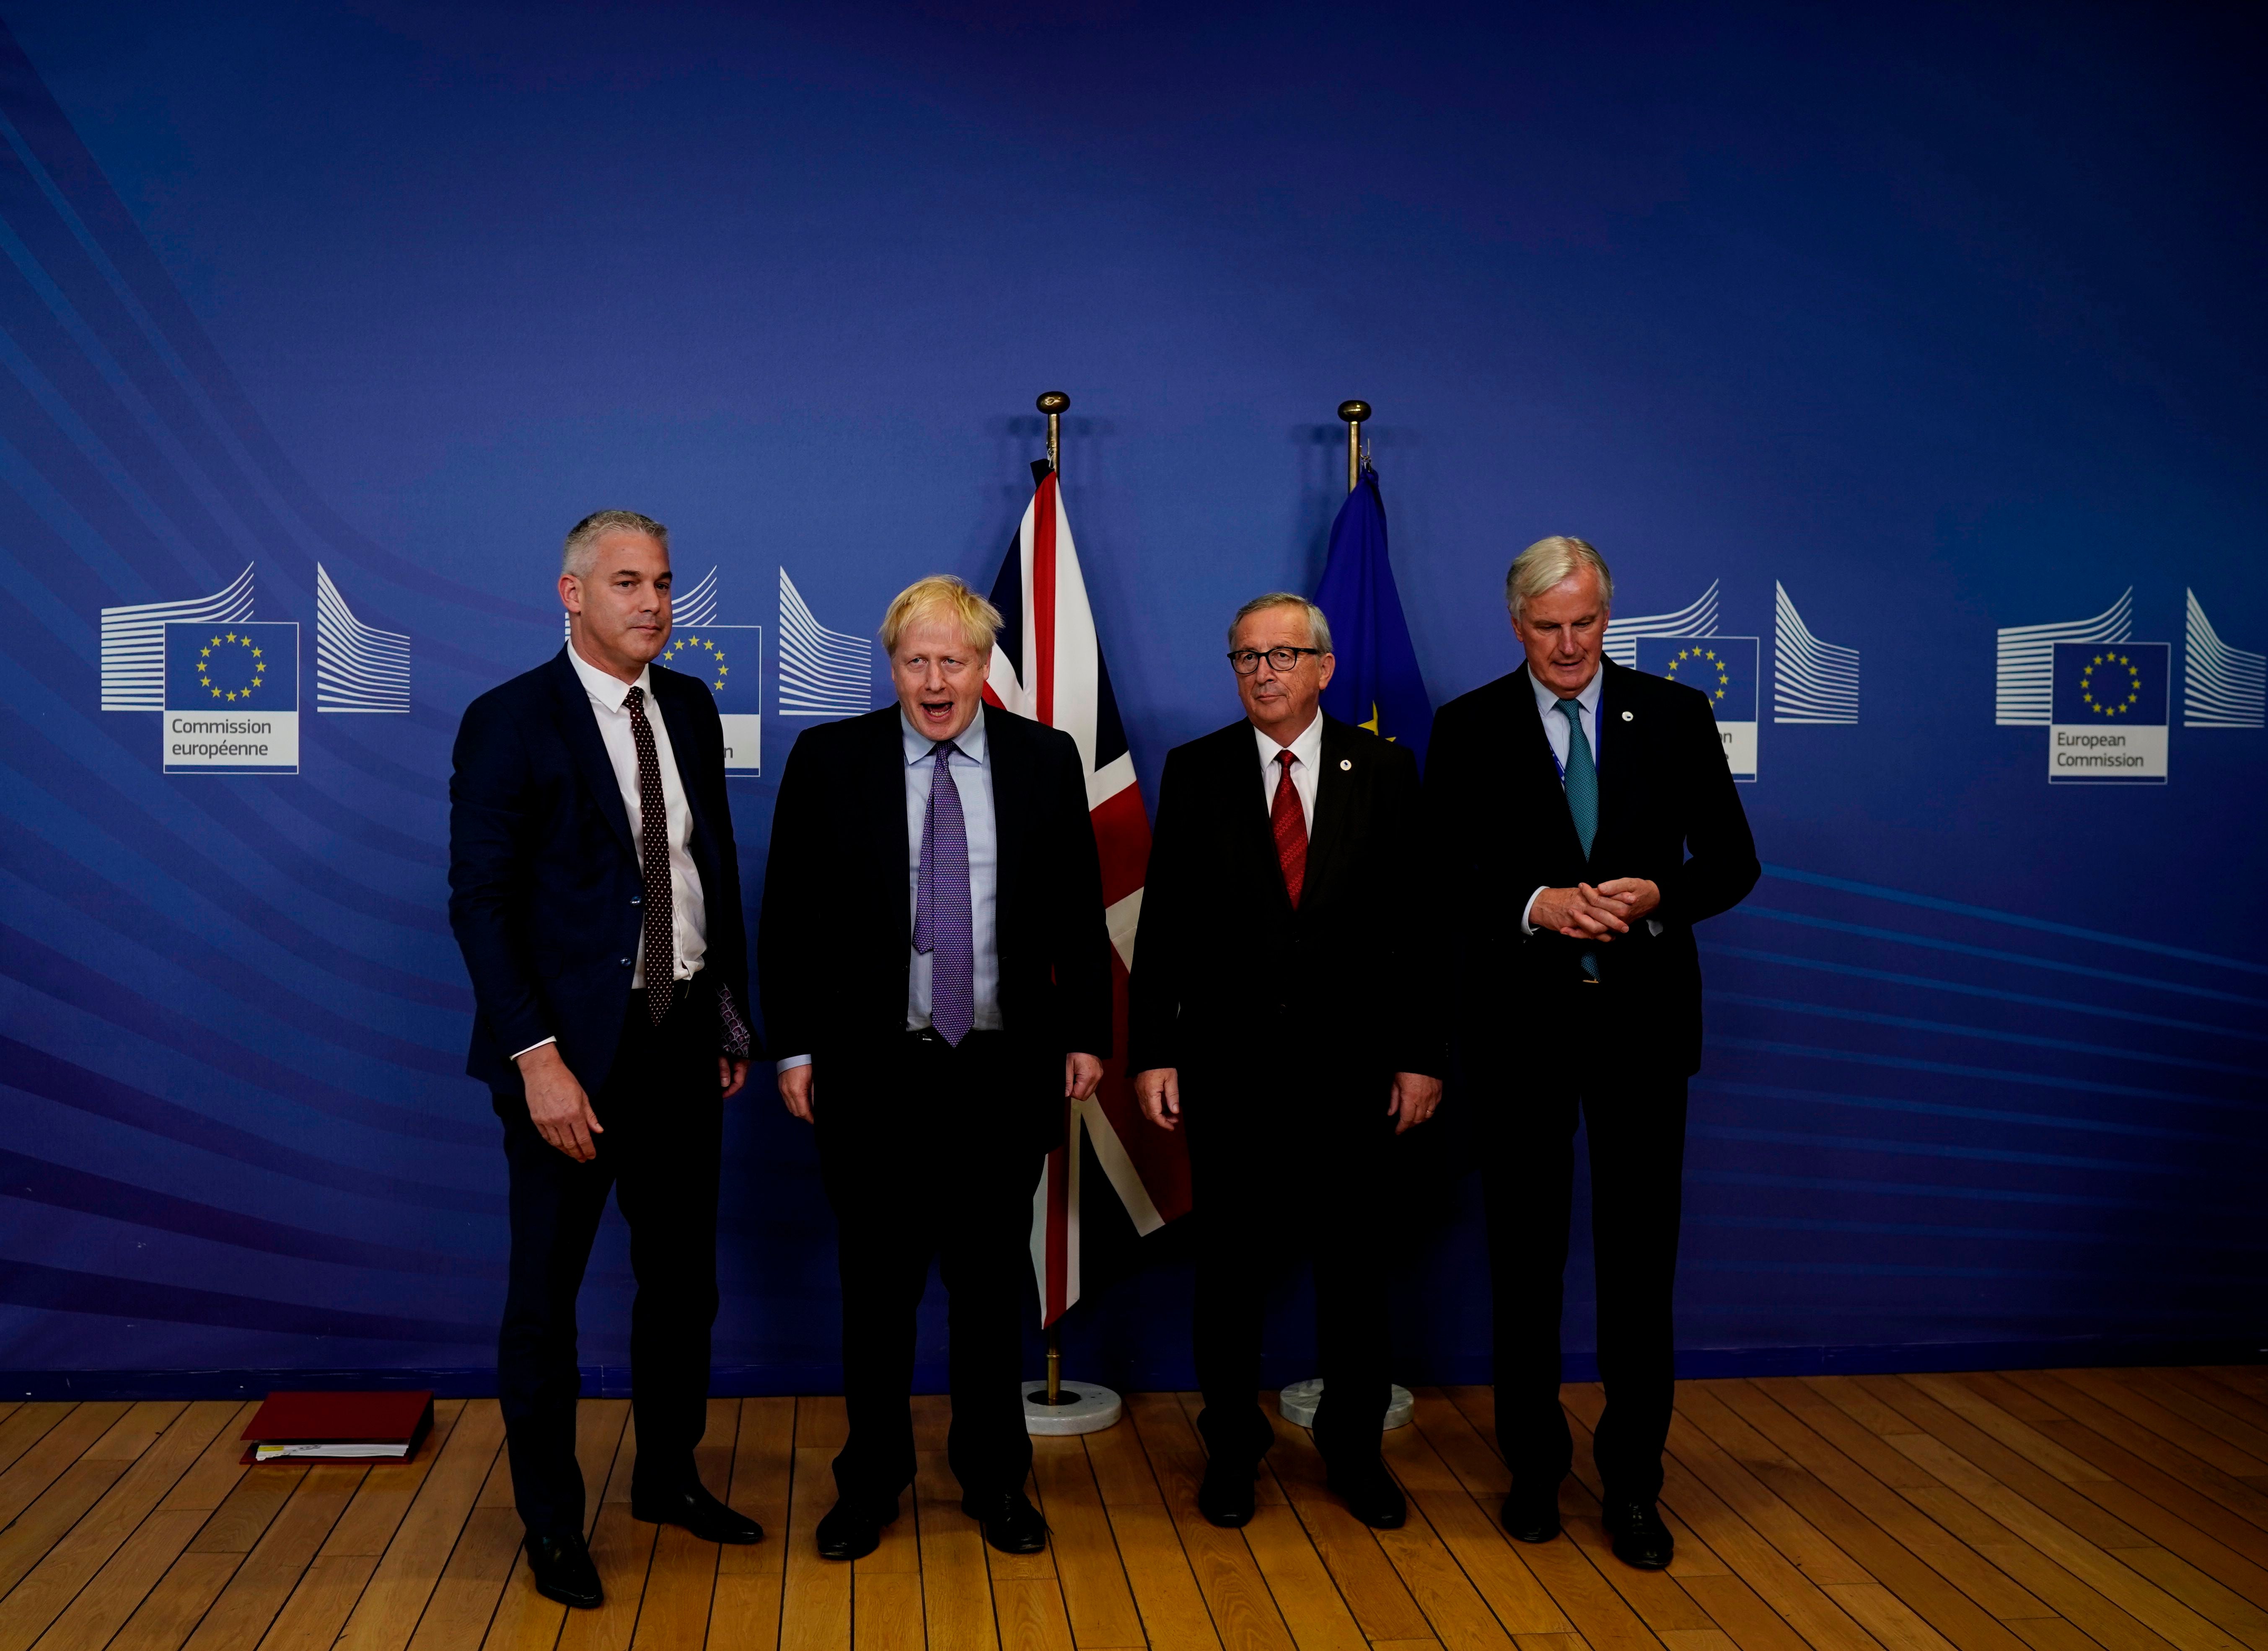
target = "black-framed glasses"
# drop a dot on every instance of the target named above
(1246, 660)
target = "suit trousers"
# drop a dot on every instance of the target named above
(1635, 1126)
(936, 1160)
(1278, 1172)
(662, 1116)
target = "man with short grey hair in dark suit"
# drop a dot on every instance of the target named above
(1588, 820)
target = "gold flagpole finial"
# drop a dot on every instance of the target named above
(1354, 413)
(1055, 404)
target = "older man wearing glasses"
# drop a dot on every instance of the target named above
(1280, 1009)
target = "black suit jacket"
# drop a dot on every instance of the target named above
(1669, 812)
(836, 931)
(1229, 977)
(543, 870)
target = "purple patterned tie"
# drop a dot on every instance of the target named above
(943, 928)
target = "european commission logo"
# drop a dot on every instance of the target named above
(2107, 701)
(2109, 717)
(231, 697)
(1724, 668)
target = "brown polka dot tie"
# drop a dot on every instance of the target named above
(657, 953)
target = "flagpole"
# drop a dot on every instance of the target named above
(1086, 1409)
(1055, 404)
(1298, 1403)
(1354, 413)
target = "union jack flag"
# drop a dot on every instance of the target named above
(1047, 665)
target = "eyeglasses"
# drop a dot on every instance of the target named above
(1246, 660)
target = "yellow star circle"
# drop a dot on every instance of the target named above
(207, 665)
(2111, 684)
(1708, 659)
(713, 666)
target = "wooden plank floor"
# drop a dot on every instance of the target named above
(2124, 1510)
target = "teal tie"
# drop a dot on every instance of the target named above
(1581, 780)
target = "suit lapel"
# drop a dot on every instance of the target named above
(1616, 778)
(675, 717)
(1341, 779)
(579, 726)
(890, 849)
(1005, 752)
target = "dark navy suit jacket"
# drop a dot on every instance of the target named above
(543, 870)
(1668, 811)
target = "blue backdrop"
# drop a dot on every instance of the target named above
(1907, 362)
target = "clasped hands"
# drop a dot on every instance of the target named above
(561, 1112)
(1599, 913)
(1082, 1074)
(1412, 1100)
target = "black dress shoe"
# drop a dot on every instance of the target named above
(1225, 1497)
(1371, 1496)
(564, 1570)
(1531, 1517)
(1639, 1537)
(1012, 1524)
(698, 1512)
(851, 1529)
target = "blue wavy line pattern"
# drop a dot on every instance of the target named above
(234, 1016)
(1882, 1063)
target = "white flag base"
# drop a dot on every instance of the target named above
(1084, 1409)
(1298, 1401)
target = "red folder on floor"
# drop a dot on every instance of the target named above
(339, 1427)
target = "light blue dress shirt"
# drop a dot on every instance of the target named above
(1562, 738)
(1555, 720)
(972, 778)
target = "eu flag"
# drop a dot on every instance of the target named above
(2112, 684)
(1377, 684)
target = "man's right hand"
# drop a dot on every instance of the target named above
(1160, 1091)
(1581, 913)
(557, 1104)
(795, 1089)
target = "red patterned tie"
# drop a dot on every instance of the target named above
(658, 950)
(1291, 826)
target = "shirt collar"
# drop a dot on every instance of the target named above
(1308, 747)
(921, 748)
(609, 692)
(1548, 702)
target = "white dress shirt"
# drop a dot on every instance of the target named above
(608, 697)
(1563, 739)
(1307, 756)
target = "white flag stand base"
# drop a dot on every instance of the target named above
(1298, 1401)
(1081, 1407)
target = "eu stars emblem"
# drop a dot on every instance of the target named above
(728, 659)
(1724, 668)
(2108, 722)
(232, 698)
